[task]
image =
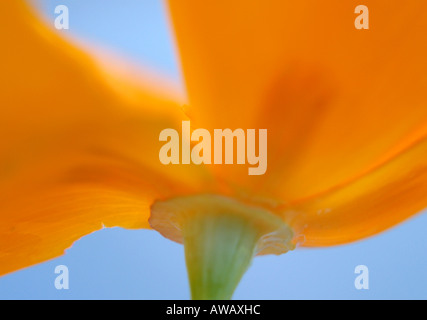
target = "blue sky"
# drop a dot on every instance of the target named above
(141, 264)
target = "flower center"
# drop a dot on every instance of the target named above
(221, 236)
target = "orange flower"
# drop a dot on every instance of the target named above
(345, 111)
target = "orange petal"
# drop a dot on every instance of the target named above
(79, 144)
(336, 101)
(387, 195)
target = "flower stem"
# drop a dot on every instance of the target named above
(221, 235)
(218, 251)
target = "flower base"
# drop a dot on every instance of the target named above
(220, 236)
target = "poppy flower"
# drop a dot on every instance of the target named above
(345, 111)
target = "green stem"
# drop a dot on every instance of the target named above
(221, 235)
(218, 251)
